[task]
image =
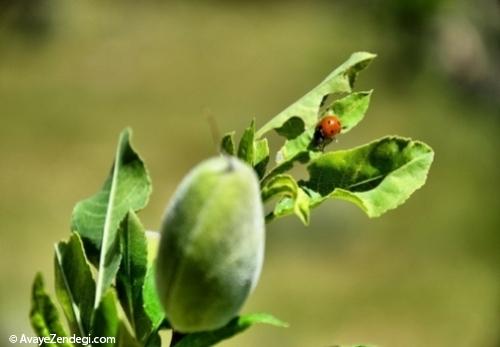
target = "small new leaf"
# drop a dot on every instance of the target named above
(252, 151)
(227, 144)
(292, 198)
(299, 205)
(261, 157)
(235, 326)
(43, 316)
(246, 148)
(377, 177)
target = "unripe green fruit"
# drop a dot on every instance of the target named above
(212, 245)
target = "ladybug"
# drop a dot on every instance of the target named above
(326, 130)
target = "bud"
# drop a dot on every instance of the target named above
(212, 245)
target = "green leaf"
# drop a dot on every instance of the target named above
(246, 148)
(292, 128)
(295, 148)
(341, 80)
(153, 242)
(126, 188)
(299, 205)
(253, 152)
(293, 198)
(235, 326)
(351, 109)
(152, 305)
(227, 144)
(97, 219)
(75, 286)
(286, 165)
(153, 341)
(44, 317)
(125, 338)
(106, 322)
(151, 301)
(377, 177)
(261, 157)
(131, 275)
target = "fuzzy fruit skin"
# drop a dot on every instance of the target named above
(212, 245)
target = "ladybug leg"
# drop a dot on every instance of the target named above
(321, 146)
(317, 139)
(326, 142)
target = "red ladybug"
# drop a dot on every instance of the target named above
(326, 130)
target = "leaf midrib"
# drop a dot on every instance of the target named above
(107, 224)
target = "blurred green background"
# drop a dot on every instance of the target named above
(73, 74)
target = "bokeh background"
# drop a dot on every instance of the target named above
(74, 73)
